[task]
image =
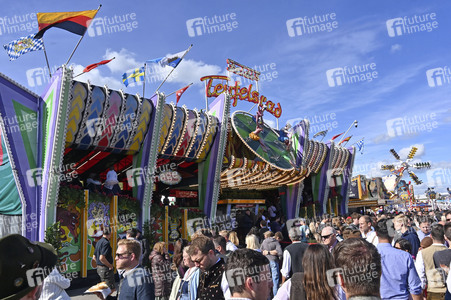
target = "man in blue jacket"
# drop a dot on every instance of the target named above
(402, 225)
(137, 282)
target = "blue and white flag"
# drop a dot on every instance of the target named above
(136, 75)
(171, 60)
(23, 45)
(360, 146)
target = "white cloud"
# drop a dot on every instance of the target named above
(405, 151)
(124, 60)
(96, 78)
(395, 48)
(190, 71)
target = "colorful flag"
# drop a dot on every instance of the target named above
(360, 145)
(76, 21)
(136, 76)
(321, 133)
(23, 45)
(171, 60)
(345, 140)
(336, 136)
(179, 93)
(93, 66)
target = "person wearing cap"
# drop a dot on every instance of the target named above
(103, 255)
(26, 266)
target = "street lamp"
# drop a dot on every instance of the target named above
(355, 123)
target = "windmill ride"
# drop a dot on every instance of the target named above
(393, 183)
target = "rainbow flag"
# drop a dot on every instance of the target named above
(76, 21)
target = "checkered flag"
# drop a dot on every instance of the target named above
(23, 45)
(360, 146)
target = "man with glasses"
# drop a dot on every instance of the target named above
(136, 283)
(329, 237)
(212, 282)
(292, 255)
(104, 259)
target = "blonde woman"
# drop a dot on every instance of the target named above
(252, 242)
(233, 237)
(186, 288)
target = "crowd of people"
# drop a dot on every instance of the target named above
(361, 256)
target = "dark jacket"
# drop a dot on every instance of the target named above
(161, 273)
(412, 237)
(136, 285)
(210, 283)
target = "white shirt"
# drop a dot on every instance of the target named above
(286, 262)
(231, 246)
(54, 286)
(284, 291)
(371, 237)
(419, 265)
(111, 179)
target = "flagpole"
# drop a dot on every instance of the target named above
(178, 89)
(173, 69)
(79, 41)
(344, 135)
(144, 83)
(46, 58)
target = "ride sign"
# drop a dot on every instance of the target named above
(242, 93)
(241, 70)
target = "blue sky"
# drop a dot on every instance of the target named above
(295, 59)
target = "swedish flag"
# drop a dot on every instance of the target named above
(137, 75)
